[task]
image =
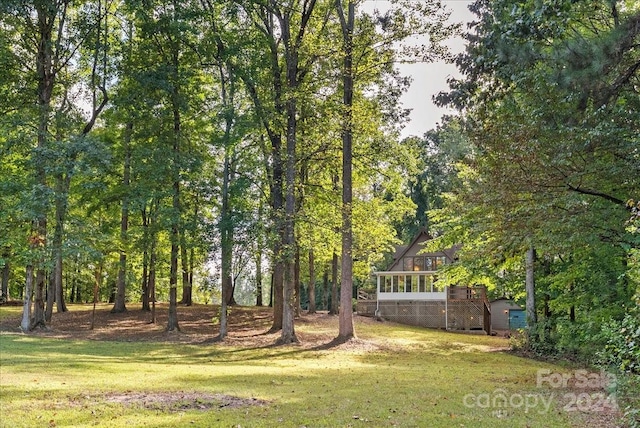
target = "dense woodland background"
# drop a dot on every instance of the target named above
(201, 151)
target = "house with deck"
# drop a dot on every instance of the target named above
(408, 292)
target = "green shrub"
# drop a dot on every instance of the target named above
(537, 339)
(622, 350)
(621, 356)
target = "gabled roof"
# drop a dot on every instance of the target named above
(421, 236)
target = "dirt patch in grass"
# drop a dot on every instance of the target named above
(179, 401)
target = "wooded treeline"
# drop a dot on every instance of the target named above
(164, 149)
(547, 194)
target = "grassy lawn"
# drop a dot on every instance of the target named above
(392, 376)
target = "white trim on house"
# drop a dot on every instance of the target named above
(413, 296)
(405, 295)
(407, 272)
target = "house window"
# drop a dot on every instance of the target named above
(432, 263)
(415, 280)
(410, 284)
(428, 283)
(387, 284)
(428, 263)
(422, 263)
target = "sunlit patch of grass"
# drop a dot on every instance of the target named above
(399, 376)
(9, 311)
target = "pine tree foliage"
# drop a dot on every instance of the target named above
(549, 103)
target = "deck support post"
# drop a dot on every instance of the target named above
(446, 307)
(377, 313)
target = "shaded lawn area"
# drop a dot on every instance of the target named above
(391, 376)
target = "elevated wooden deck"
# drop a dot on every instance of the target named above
(465, 308)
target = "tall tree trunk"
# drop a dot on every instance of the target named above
(258, 254)
(259, 301)
(298, 285)
(112, 295)
(184, 259)
(277, 295)
(153, 257)
(78, 291)
(46, 75)
(76, 277)
(61, 306)
(6, 270)
(145, 261)
(119, 304)
(271, 289)
(230, 290)
(312, 283)
(226, 248)
(530, 288)
(55, 289)
(224, 309)
(326, 292)
(192, 253)
(292, 43)
(346, 328)
(187, 262)
(172, 323)
(226, 234)
(25, 325)
(150, 237)
(226, 222)
(38, 309)
(63, 179)
(73, 296)
(145, 281)
(333, 309)
(51, 294)
(97, 276)
(274, 167)
(288, 330)
(70, 286)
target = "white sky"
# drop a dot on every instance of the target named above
(428, 79)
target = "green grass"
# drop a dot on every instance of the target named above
(10, 312)
(402, 376)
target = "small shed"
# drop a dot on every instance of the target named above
(507, 315)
